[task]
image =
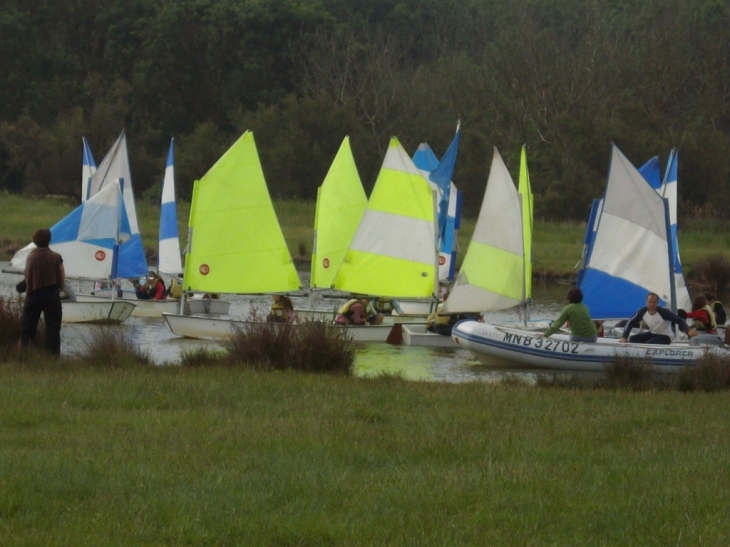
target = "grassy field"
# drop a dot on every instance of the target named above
(556, 246)
(232, 457)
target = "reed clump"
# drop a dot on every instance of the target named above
(710, 373)
(107, 347)
(313, 346)
(11, 313)
(202, 356)
(630, 373)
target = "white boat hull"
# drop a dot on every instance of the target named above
(317, 315)
(497, 345)
(417, 335)
(103, 312)
(416, 307)
(220, 328)
(155, 308)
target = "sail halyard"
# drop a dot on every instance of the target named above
(393, 253)
(236, 244)
(492, 275)
(341, 202)
(628, 259)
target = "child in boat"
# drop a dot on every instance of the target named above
(282, 310)
(659, 321)
(704, 317)
(153, 288)
(576, 314)
(358, 311)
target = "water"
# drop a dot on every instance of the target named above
(416, 363)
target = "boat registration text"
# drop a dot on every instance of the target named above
(545, 344)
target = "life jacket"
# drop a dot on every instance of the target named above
(176, 288)
(345, 308)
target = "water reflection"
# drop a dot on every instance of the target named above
(413, 363)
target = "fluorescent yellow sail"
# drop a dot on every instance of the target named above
(341, 202)
(393, 253)
(525, 191)
(493, 273)
(236, 244)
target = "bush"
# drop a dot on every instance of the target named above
(110, 347)
(313, 346)
(201, 357)
(11, 315)
(710, 373)
(630, 373)
(712, 271)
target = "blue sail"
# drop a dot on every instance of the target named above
(630, 253)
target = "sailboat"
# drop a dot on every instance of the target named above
(341, 202)
(496, 273)
(624, 303)
(235, 243)
(88, 240)
(88, 168)
(635, 256)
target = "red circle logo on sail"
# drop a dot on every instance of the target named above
(100, 255)
(442, 260)
(204, 269)
(326, 263)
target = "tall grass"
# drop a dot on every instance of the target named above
(11, 312)
(314, 346)
(109, 347)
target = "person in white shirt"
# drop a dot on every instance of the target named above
(659, 320)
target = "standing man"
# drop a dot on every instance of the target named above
(44, 277)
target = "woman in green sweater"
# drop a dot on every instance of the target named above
(582, 328)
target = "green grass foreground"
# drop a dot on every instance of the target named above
(226, 456)
(557, 246)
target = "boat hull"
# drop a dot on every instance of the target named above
(499, 345)
(155, 308)
(102, 312)
(417, 335)
(220, 328)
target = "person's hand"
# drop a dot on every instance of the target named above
(622, 341)
(691, 333)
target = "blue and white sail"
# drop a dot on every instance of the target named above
(448, 201)
(86, 237)
(669, 191)
(651, 171)
(115, 166)
(632, 252)
(168, 260)
(88, 168)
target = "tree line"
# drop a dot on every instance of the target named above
(565, 77)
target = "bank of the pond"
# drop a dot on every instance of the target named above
(231, 457)
(557, 246)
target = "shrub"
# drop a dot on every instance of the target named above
(11, 315)
(313, 346)
(712, 271)
(110, 347)
(629, 373)
(710, 373)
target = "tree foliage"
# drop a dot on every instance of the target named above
(566, 77)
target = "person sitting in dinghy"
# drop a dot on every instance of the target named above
(576, 314)
(282, 310)
(702, 314)
(659, 322)
(358, 312)
(440, 324)
(153, 288)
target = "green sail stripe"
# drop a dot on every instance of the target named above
(236, 242)
(412, 280)
(494, 269)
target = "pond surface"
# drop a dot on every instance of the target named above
(417, 363)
